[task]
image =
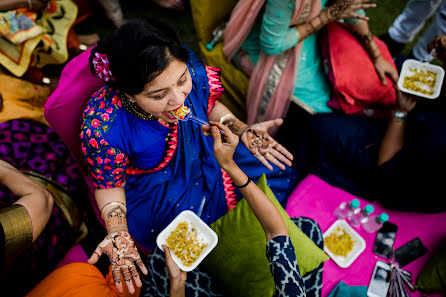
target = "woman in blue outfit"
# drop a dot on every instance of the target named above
(166, 278)
(147, 165)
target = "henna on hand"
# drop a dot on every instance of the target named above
(338, 8)
(258, 140)
(114, 215)
(235, 125)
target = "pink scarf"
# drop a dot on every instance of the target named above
(238, 28)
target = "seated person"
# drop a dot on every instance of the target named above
(39, 220)
(146, 164)
(400, 163)
(265, 41)
(279, 249)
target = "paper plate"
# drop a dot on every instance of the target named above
(405, 71)
(204, 233)
(358, 247)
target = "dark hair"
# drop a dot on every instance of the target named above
(139, 51)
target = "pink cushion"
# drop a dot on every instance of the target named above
(63, 109)
(75, 254)
(316, 199)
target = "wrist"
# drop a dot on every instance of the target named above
(177, 287)
(230, 167)
(400, 115)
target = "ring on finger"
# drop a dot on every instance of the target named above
(131, 265)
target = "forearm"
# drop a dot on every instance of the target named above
(265, 211)
(219, 111)
(37, 201)
(112, 204)
(6, 5)
(393, 140)
(362, 32)
(324, 18)
(177, 289)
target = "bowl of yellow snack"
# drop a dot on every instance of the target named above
(189, 240)
(421, 79)
(343, 244)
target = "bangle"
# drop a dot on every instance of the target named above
(225, 117)
(239, 187)
(113, 203)
(400, 115)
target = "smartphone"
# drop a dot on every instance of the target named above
(385, 238)
(410, 251)
(380, 281)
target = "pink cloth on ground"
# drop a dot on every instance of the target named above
(317, 200)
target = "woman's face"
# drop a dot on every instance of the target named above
(166, 92)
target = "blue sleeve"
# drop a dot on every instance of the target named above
(283, 264)
(275, 35)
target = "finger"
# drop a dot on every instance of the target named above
(128, 279)
(141, 266)
(278, 147)
(95, 256)
(273, 160)
(358, 16)
(217, 136)
(263, 161)
(222, 127)
(117, 279)
(393, 75)
(382, 77)
(135, 275)
(167, 253)
(280, 157)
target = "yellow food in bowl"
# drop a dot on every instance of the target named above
(183, 242)
(181, 112)
(339, 242)
(421, 81)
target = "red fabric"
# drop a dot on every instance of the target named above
(356, 85)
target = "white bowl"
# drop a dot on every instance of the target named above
(204, 233)
(405, 71)
(358, 247)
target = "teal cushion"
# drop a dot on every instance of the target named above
(239, 265)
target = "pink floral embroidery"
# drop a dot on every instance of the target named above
(228, 185)
(215, 86)
(105, 117)
(95, 123)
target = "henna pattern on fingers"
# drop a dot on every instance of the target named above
(338, 8)
(116, 276)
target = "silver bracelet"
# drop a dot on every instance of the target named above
(225, 117)
(400, 115)
(30, 5)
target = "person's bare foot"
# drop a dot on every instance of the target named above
(177, 5)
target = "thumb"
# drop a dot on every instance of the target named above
(95, 256)
(216, 135)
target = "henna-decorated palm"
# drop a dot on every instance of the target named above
(264, 147)
(345, 9)
(123, 255)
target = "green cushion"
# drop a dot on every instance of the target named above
(432, 278)
(239, 264)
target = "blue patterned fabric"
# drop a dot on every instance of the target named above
(284, 268)
(200, 284)
(120, 147)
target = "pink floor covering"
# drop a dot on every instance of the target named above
(316, 199)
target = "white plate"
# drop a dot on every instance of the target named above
(358, 247)
(204, 234)
(425, 66)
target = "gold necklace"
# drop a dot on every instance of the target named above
(134, 109)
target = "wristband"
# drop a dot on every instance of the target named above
(239, 187)
(400, 115)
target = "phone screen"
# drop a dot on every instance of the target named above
(379, 284)
(384, 240)
(410, 252)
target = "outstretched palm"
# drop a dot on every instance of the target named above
(264, 147)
